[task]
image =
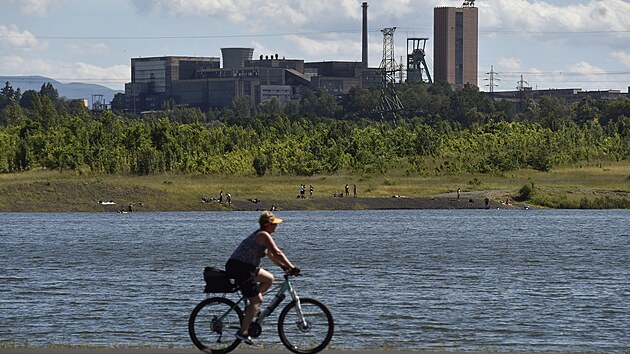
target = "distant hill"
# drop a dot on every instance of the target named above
(74, 90)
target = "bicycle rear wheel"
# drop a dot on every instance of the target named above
(310, 338)
(213, 323)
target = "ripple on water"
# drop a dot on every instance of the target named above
(457, 280)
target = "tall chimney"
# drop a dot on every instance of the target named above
(365, 36)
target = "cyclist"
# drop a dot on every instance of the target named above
(244, 267)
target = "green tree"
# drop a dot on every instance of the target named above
(48, 90)
(615, 109)
(12, 114)
(118, 102)
(7, 93)
(262, 162)
(243, 107)
(48, 112)
(586, 110)
(271, 106)
(551, 112)
(469, 103)
(320, 103)
(360, 103)
(31, 100)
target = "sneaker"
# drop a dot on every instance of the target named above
(245, 339)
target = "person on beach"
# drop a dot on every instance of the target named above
(244, 267)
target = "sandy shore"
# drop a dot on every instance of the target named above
(471, 201)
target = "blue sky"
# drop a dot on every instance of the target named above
(553, 44)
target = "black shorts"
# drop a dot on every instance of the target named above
(245, 276)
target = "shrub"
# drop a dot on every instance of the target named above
(526, 192)
(475, 182)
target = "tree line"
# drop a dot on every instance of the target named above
(440, 131)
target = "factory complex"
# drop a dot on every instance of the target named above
(213, 82)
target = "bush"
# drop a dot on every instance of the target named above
(475, 182)
(526, 192)
(261, 164)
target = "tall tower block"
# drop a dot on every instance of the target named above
(455, 32)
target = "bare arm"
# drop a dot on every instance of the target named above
(273, 251)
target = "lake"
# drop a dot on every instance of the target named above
(491, 280)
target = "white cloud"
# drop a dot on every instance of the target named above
(90, 48)
(579, 75)
(260, 49)
(540, 16)
(513, 64)
(17, 65)
(326, 48)
(394, 8)
(113, 76)
(13, 37)
(10, 64)
(586, 69)
(623, 57)
(117, 74)
(39, 7)
(236, 11)
(280, 14)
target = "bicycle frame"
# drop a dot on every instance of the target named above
(277, 299)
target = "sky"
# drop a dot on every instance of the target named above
(552, 44)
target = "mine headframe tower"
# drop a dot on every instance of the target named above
(390, 103)
(417, 69)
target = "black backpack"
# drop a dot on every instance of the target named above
(217, 281)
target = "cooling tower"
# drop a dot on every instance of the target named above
(236, 57)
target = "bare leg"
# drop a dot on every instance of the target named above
(250, 312)
(265, 280)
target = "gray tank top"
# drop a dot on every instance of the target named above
(249, 251)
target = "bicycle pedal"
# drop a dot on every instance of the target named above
(254, 330)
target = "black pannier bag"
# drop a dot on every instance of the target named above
(217, 281)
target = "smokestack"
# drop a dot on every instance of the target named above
(365, 36)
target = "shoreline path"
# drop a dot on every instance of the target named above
(195, 351)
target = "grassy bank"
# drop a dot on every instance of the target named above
(596, 186)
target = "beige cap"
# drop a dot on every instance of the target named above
(267, 217)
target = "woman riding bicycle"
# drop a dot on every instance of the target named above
(244, 267)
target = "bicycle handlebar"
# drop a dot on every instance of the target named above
(292, 272)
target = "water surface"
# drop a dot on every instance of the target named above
(498, 280)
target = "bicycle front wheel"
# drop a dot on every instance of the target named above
(310, 336)
(213, 323)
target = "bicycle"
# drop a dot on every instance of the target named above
(305, 325)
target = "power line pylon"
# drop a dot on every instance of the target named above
(390, 103)
(491, 84)
(522, 85)
(524, 89)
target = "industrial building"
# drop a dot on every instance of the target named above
(455, 45)
(202, 83)
(155, 80)
(570, 95)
